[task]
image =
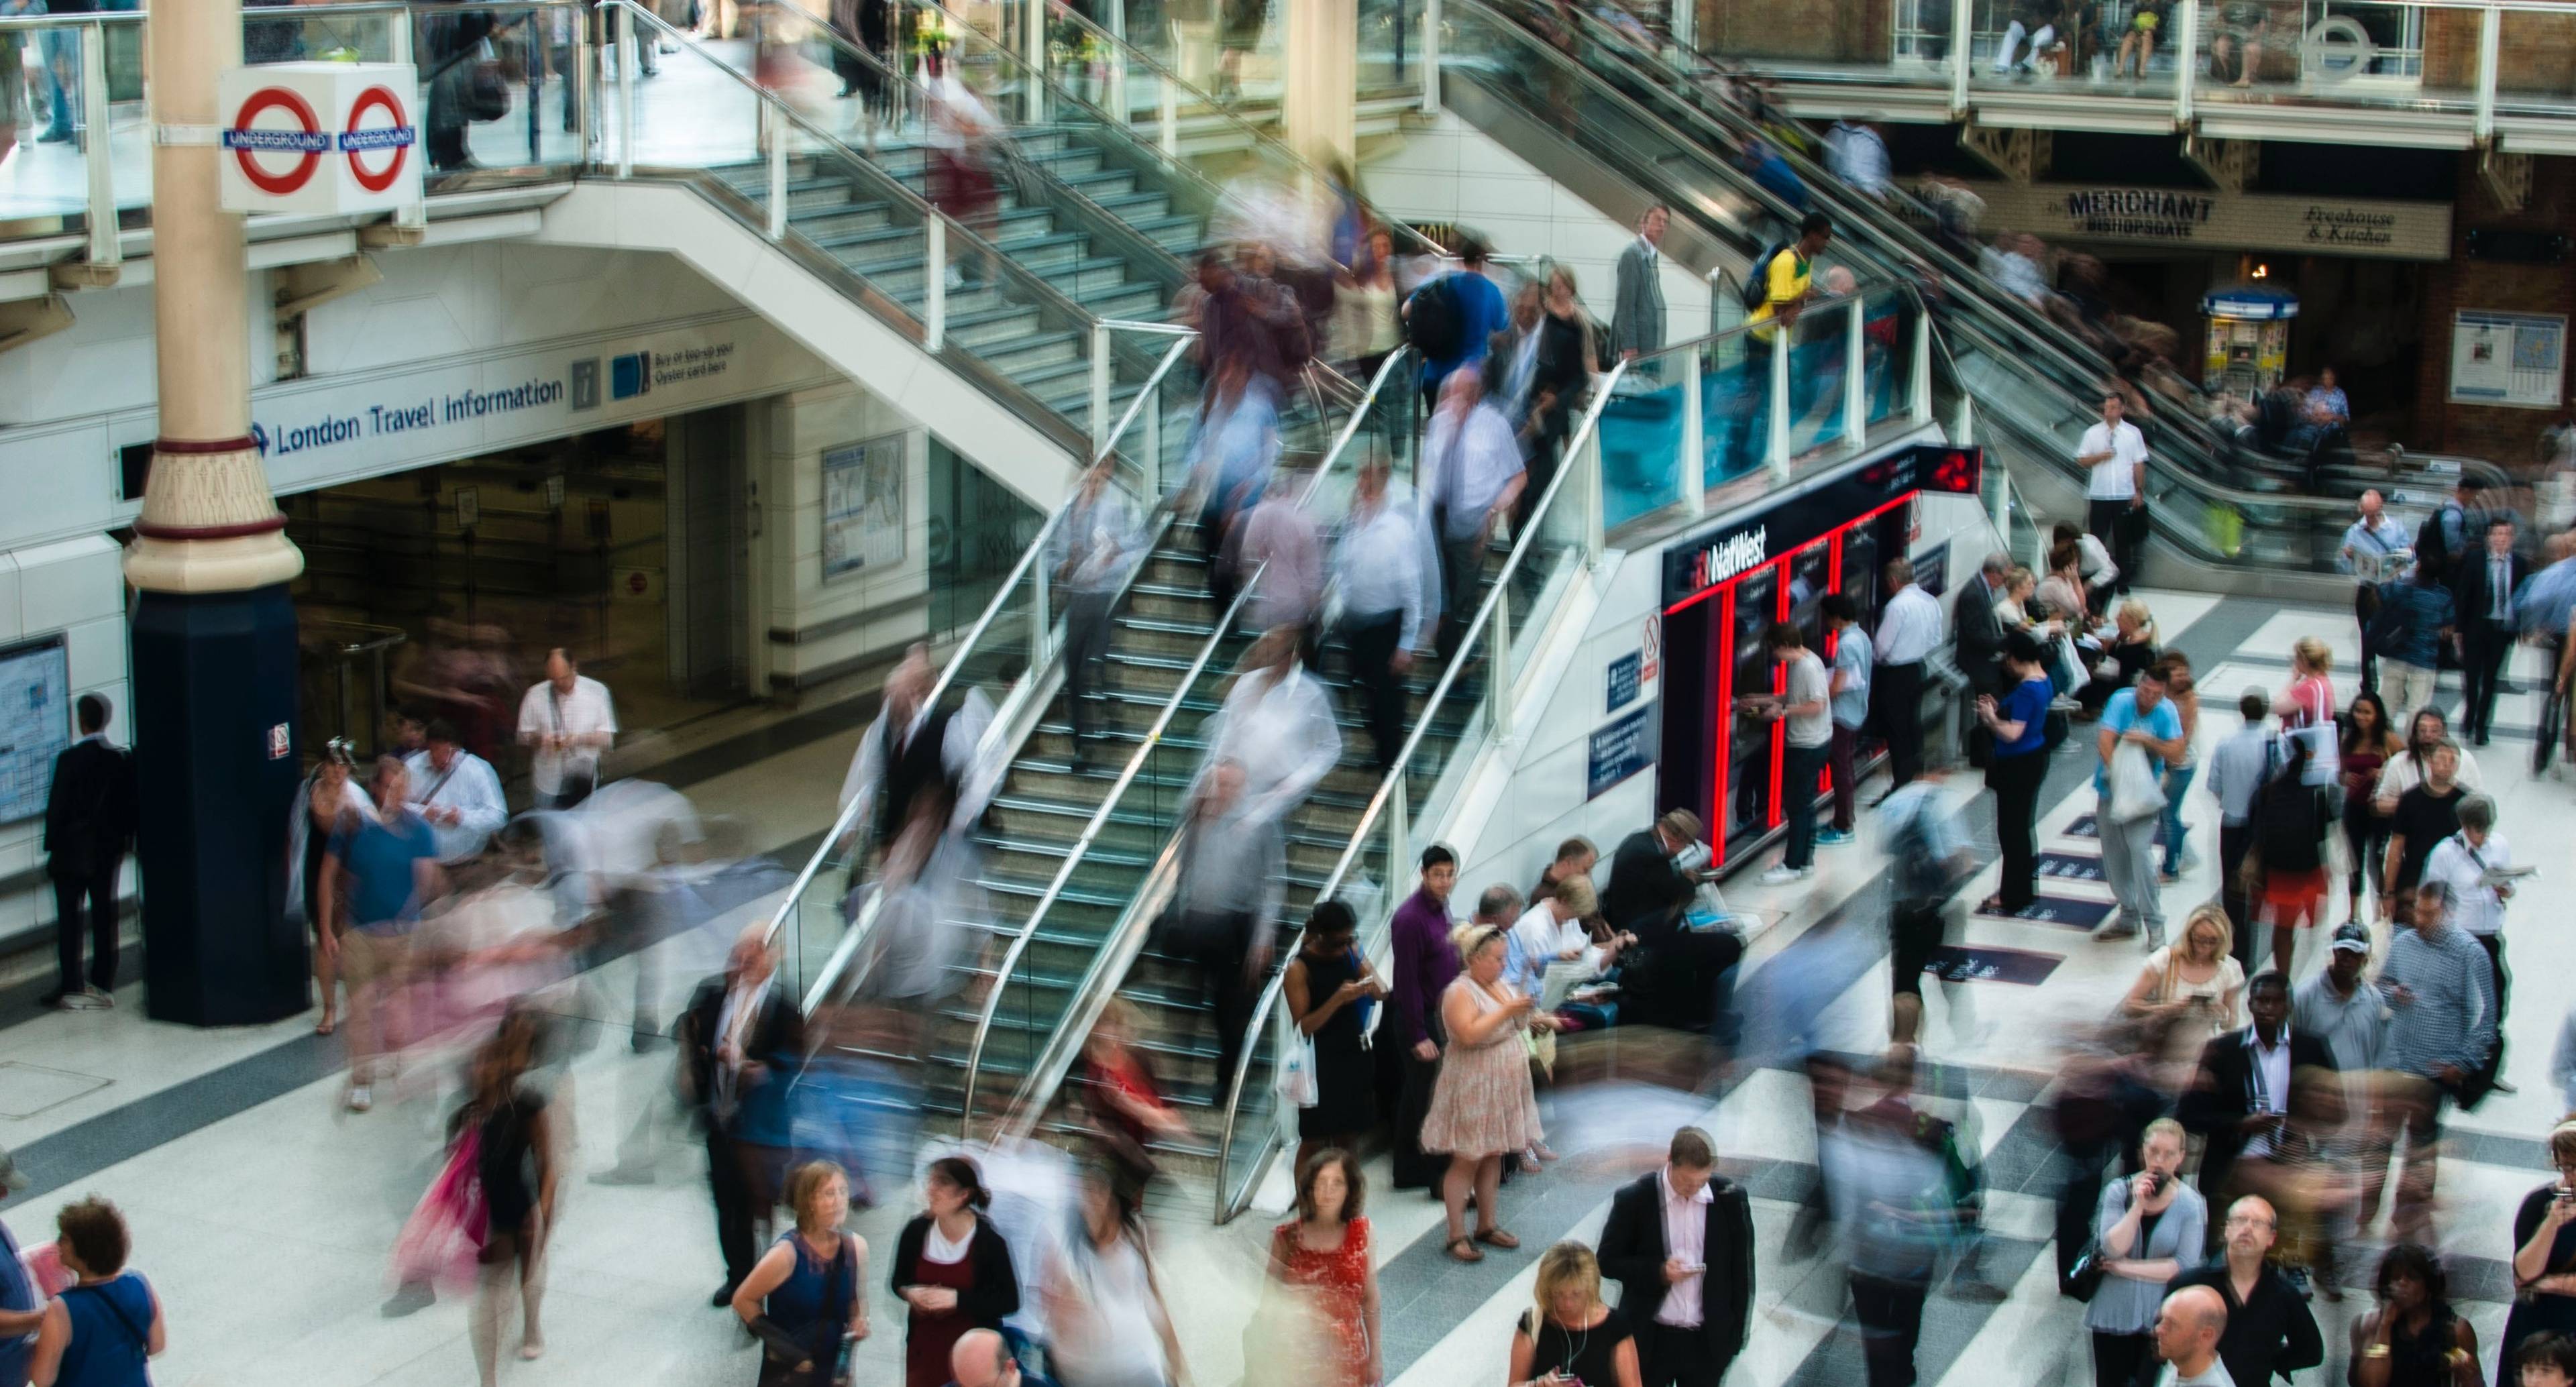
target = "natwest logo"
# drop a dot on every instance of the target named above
(1725, 558)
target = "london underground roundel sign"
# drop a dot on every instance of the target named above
(319, 137)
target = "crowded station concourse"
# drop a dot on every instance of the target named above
(1149, 758)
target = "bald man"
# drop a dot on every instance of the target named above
(2187, 1332)
(981, 1359)
(2269, 1328)
(2368, 546)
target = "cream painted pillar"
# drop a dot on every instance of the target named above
(1323, 79)
(214, 634)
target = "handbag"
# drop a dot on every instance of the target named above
(2084, 1279)
(443, 1239)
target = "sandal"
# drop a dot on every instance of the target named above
(328, 1025)
(1464, 1250)
(1497, 1237)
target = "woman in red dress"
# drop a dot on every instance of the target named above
(1324, 1253)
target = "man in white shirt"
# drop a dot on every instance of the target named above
(1908, 632)
(1095, 546)
(1387, 569)
(1804, 704)
(1679, 1241)
(2463, 860)
(1859, 157)
(458, 792)
(1277, 724)
(2374, 547)
(1471, 474)
(2116, 496)
(568, 722)
(913, 747)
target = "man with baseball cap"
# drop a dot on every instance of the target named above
(2346, 1009)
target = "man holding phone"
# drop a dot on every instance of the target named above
(2241, 1096)
(1679, 1241)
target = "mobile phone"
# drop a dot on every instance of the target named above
(2156, 1182)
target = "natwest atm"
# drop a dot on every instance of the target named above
(1725, 585)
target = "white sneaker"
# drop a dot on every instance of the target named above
(1784, 874)
(360, 1099)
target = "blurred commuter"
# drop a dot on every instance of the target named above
(1276, 725)
(99, 1330)
(2240, 1102)
(952, 1269)
(2019, 725)
(2439, 987)
(2147, 1229)
(1559, 392)
(1109, 1324)
(738, 1028)
(1096, 546)
(1680, 1243)
(1323, 1255)
(1858, 156)
(568, 721)
(1573, 1335)
(2417, 617)
(457, 791)
(912, 747)
(1280, 540)
(2544, 1250)
(2467, 862)
(2139, 716)
(2482, 589)
(1452, 318)
(381, 872)
(2414, 1338)
(1927, 859)
(1890, 1189)
(1225, 910)
(1471, 476)
(1483, 1107)
(90, 810)
(1637, 315)
(964, 139)
(1115, 1082)
(1365, 327)
(1422, 963)
(1910, 628)
(516, 1151)
(927, 892)
(806, 1298)
(2372, 547)
(1387, 569)
(1331, 993)
(329, 792)
(1511, 359)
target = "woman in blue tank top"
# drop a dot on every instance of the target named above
(102, 1328)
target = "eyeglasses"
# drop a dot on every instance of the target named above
(2249, 1220)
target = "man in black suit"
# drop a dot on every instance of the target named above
(1680, 1244)
(1679, 979)
(2482, 588)
(2241, 1098)
(1978, 631)
(735, 1038)
(89, 827)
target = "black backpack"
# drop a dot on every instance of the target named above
(2290, 825)
(1757, 281)
(2432, 549)
(1434, 321)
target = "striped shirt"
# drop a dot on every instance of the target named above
(2452, 1016)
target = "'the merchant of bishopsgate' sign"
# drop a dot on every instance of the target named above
(2221, 221)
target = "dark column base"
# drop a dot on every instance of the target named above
(214, 681)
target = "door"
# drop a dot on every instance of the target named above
(708, 499)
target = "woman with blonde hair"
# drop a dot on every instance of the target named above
(2308, 699)
(802, 1298)
(1483, 1106)
(2129, 646)
(1573, 1335)
(2194, 979)
(2147, 1229)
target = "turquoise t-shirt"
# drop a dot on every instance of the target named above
(2121, 713)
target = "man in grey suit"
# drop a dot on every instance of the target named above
(1637, 318)
(1979, 634)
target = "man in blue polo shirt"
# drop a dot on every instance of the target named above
(378, 874)
(2143, 715)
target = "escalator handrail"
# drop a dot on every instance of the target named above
(1389, 370)
(1129, 53)
(1817, 181)
(846, 821)
(1603, 391)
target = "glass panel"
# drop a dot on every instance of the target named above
(1641, 439)
(2337, 53)
(1733, 395)
(1390, 47)
(1819, 377)
(498, 82)
(1887, 352)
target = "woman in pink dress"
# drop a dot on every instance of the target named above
(1324, 1252)
(1483, 1107)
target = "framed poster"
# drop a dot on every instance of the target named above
(863, 505)
(35, 723)
(2518, 360)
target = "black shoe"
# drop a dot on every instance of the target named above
(55, 137)
(2481, 739)
(724, 1295)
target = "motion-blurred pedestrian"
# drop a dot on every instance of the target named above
(515, 1152)
(1095, 547)
(737, 1029)
(1276, 725)
(457, 791)
(1471, 477)
(1110, 1325)
(568, 722)
(1387, 569)
(1233, 878)
(380, 873)
(1322, 1255)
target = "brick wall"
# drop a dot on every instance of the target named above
(2508, 436)
(1821, 30)
(2535, 52)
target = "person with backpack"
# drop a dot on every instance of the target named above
(89, 827)
(2286, 868)
(1775, 293)
(1452, 319)
(2238, 770)
(2415, 617)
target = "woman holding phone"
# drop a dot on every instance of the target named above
(1573, 1338)
(2544, 1256)
(2146, 1230)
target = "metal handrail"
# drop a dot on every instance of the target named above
(845, 822)
(1127, 776)
(1575, 443)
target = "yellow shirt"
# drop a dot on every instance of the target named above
(1788, 272)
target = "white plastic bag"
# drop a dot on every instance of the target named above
(1297, 1074)
(2136, 790)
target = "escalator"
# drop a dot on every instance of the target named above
(1589, 98)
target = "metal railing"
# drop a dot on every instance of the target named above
(1396, 367)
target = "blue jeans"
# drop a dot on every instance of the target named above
(2177, 784)
(61, 48)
